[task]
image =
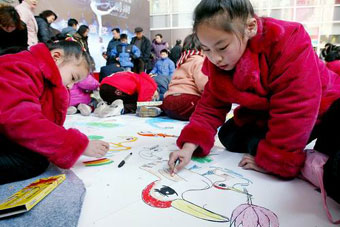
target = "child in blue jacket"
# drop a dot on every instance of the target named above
(164, 66)
(125, 53)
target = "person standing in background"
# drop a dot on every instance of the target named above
(144, 45)
(25, 10)
(112, 44)
(81, 37)
(13, 32)
(44, 21)
(157, 45)
(175, 52)
(71, 28)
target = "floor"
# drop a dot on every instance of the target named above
(211, 191)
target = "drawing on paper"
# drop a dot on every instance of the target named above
(95, 137)
(98, 162)
(117, 147)
(159, 123)
(172, 191)
(150, 134)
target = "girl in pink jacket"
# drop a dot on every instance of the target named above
(187, 83)
(286, 95)
(33, 87)
(80, 96)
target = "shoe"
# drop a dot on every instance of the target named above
(114, 109)
(84, 109)
(71, 110)
(148, 111)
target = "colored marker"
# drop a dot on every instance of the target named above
(176, 164)
(124, 160)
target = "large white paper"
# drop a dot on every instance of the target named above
(211, 191)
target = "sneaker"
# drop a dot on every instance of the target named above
(71, 110)
(148, 111)
(84, 109)
(116, 108)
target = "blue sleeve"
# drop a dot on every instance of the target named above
(113, 52)
(135, 51)
(171, 67)
(154, 70)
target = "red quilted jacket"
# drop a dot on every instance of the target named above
(279, 83)
(33, 107)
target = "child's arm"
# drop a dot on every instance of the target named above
(184, 156)
(171, 67)
(154, 70)
(136, 52)
(23, 122)
(295, 83)
(210, 113)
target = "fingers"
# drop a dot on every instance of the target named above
(246, 159)
(180, 166)
(172, 158)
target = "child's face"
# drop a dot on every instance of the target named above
(164, 55)
(223, 49)
(72, 70)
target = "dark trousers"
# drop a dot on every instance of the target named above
(18, 163)
(245, 139)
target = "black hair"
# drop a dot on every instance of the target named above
(191, 42)
(123, 36)
(72, 49)
(82, 29)
(331, 52)
(332, 56)
(20, 1)
(224, 14)
(160, 35)
(72, 22)
(164, 51)
(178, 42)
(108, 94)
(116, 29)
(46, 13)
(10, 17)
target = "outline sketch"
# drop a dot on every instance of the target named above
(169, 191)
(117, 147)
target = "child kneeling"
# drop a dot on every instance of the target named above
(34, 86)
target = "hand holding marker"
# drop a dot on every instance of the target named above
(124, 160)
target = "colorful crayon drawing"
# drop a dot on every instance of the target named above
(159, 121)
(174, 191)
(117, 147)
(155, 134)
(98, 162)
(102, 124)
(95, 137)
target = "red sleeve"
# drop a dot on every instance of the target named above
(296, 94)
(210, 113)
(22, 121)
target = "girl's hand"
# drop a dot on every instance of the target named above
(96, 148)
(183, 155)
(248, 162)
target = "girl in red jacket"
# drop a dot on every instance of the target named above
(286, 95)
(33, 87)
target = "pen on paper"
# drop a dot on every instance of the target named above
(124, 160)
